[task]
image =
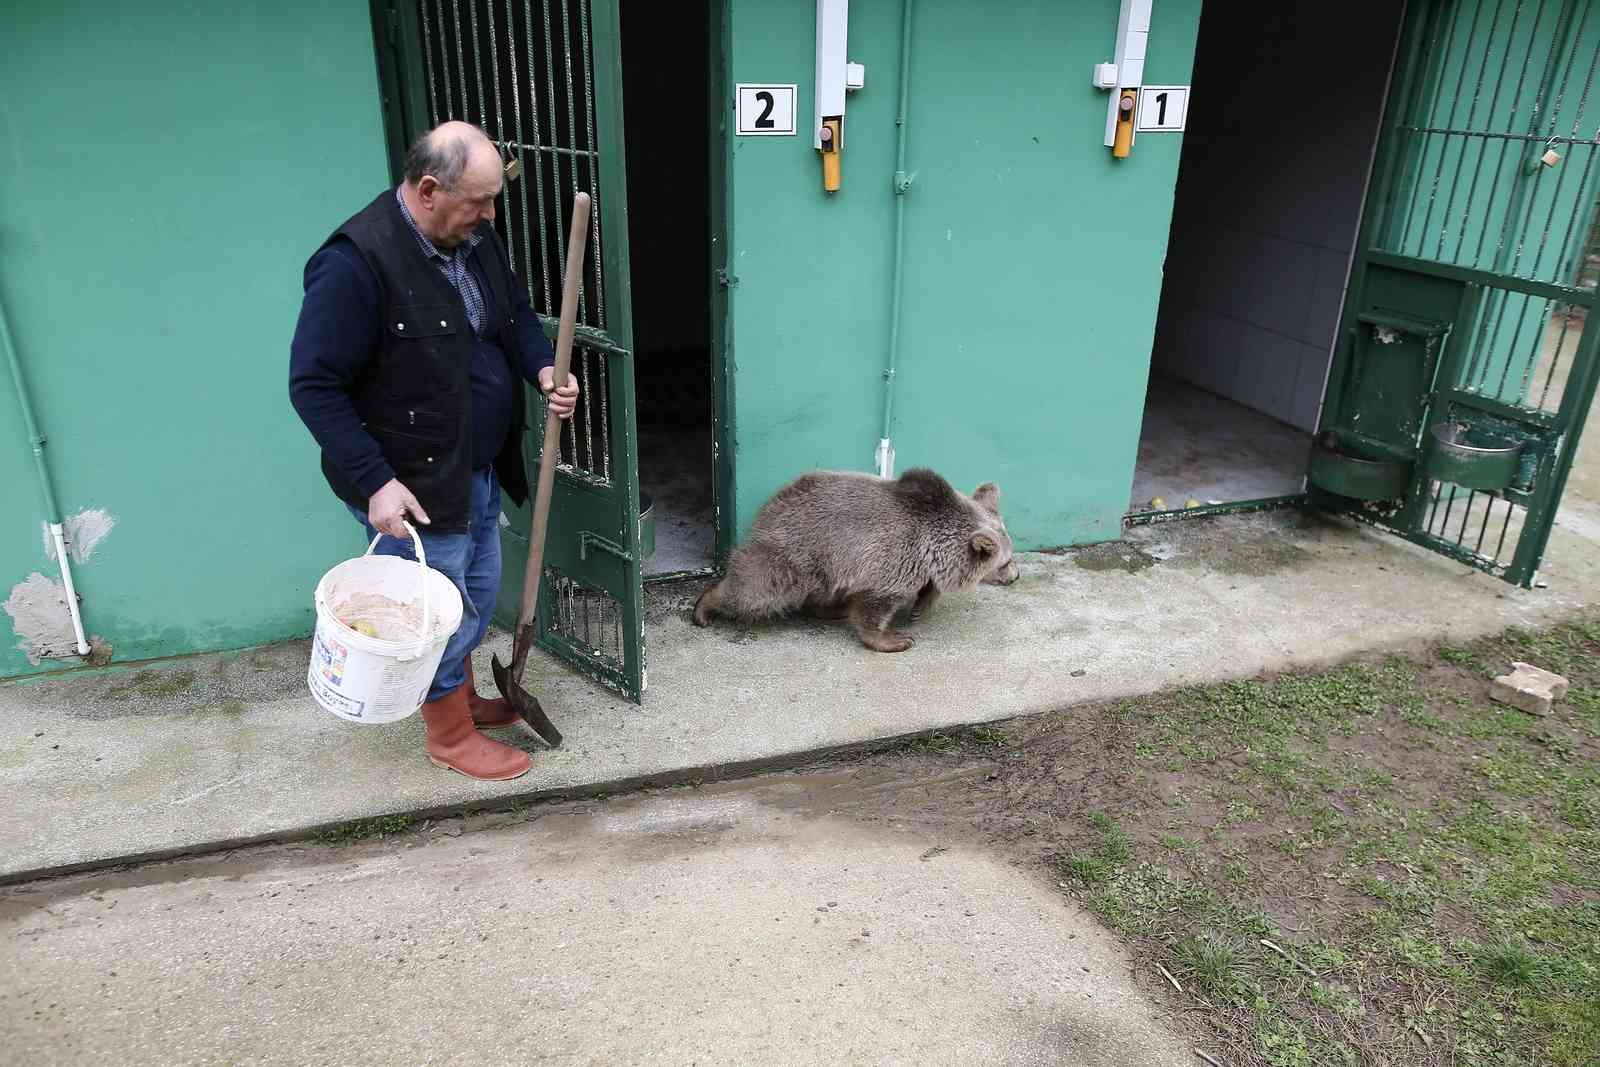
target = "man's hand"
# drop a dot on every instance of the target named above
(389, 506)
(562, 400)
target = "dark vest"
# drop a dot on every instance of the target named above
(415, 397)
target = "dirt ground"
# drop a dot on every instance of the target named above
(1371, 865)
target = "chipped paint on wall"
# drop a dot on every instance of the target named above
(39, 616)
(83, 532)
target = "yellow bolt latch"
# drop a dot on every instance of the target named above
(1122, 143)
(832, 135)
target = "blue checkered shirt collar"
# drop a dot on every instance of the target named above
(453, 266)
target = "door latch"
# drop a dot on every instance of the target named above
(588, 539)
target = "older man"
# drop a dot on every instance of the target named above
(406, 366)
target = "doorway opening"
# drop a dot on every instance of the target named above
(666, 80)
(1280, 137)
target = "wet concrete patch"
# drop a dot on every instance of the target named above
(154, 685)
(1249, 546)
(1114, 556)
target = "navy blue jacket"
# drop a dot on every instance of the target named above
(338, 335)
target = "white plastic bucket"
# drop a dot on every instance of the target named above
(372, 679)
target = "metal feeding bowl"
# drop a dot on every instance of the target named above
(1472, 457)
(1336, 469)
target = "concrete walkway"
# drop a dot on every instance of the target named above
(739, 924)
(230, 748)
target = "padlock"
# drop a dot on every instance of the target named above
(513, 169)
(1550, 158)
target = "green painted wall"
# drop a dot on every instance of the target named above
(1032, 258)
(163, 177)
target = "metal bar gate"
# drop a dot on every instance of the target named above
(1478, 255)
(544, 81)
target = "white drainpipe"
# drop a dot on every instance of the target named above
(46, 490)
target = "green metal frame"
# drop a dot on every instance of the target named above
(720, 108)
(594, 525)
(1552, 438)
(1233, 507)
(396, 40)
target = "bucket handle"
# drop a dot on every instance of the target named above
(422, 562)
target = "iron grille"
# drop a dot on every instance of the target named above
(588, 621)
(1499, 174)
(1466, 142)
(525, 74)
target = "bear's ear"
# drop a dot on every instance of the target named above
(987, 496)
(984, 545)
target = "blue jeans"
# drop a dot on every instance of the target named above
(470, 560)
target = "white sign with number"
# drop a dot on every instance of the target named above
(766, 110)
(1162, 108)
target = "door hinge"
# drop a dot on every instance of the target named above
(586, 540)
(726, 280)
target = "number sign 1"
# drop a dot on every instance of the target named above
(1162, 108)
(766, 110)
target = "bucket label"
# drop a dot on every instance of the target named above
(328, 658)
(338, 703)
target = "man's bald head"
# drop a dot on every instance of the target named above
(447, 151)
(453, 177)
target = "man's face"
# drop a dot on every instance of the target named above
(459, 211)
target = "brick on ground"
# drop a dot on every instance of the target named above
(1529, 688)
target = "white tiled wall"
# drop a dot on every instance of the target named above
(1285, 108)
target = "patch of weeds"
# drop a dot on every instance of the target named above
(1087, 867)
(988, 737)
(1510, 963)
(1211, 964)
(1283, 1044)
(1409, 896)
(932, 743)
(1416, 950)
(1337, 999)
(1115, 848)
(1323, 955)
(1463, 657)
(1240, 811)
(1487, 721)
(1092, 868)
(1376, 781)
(1585, 705)
(1514, 771)
(1423, 719)
(362, 829)
(1579, 805)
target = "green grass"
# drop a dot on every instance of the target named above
(363, 829)
(1211, 964)
(1429, 860)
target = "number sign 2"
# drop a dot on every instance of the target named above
(766, 110)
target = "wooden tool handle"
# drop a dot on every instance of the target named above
(576, 241)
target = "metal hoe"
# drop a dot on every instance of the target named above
(509, 679)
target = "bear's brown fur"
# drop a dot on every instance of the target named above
(840, 544)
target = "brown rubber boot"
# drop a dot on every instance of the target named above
(454, 743)
(488, 713)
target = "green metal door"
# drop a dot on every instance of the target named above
(1467, 354)
(544, 80)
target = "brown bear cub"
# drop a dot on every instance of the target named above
(837, 544)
